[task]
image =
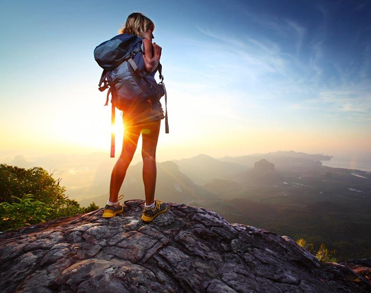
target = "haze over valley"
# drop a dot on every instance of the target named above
(289, 193)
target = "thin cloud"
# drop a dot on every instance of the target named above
(221, 37)
(316, 58)
(338, 104)
(300, 32)
(267, 46)
(278, 63)
(348, 101)
(262, 56)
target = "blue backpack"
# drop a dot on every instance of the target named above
(125, 77)
(124, 73)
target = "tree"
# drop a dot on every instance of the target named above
(323, 254)
(91, 207)
(29, 196)
(15, 181)
(22, 212)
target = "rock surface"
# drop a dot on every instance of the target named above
(361, 267)
(185, 250)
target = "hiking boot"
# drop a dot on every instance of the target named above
(149, 214)
(112, 210)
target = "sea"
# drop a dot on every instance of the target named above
(354, 163)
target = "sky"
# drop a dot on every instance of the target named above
(243, 77)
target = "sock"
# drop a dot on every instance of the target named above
(112, 203)
(151, 206)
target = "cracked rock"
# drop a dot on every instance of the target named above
(186, 250)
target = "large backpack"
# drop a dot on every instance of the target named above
(125, 77)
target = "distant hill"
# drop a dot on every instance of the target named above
(293, 154)
(263, 174)
(281, 160)
(202, 168)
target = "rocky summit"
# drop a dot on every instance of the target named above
(187, 250)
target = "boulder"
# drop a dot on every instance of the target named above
(188, 249)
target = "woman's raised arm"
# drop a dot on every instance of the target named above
(152, 55)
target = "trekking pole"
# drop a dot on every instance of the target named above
(113, 113)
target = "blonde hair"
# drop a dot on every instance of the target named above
(137, 24)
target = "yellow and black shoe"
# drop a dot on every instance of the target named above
(112, 210)
(149, 214)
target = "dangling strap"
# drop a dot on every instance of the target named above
(107, 98)
(113, 113)
(103, 84)
(159, 68)
(166, 116)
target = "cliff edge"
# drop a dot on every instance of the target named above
(187, 250)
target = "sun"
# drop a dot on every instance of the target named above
(90, 129)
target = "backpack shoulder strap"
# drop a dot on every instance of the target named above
(103, 83)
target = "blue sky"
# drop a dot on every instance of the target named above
(242, 76)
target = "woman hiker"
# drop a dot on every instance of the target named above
(139, 121)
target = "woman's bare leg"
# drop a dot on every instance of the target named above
(131, 136)
(149, 145)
